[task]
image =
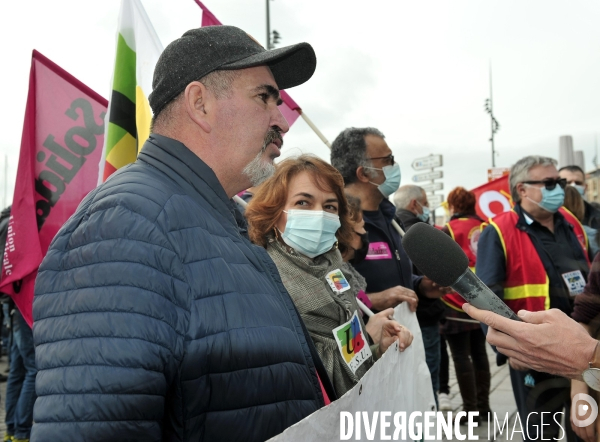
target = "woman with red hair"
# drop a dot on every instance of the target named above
(466, 339)
(301, 216)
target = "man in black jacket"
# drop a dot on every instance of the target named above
(370, 173)
(412, 207)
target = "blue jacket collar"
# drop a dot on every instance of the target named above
(178, 162)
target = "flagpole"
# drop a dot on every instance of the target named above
(315, 129)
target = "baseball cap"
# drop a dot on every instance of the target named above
(201, 51)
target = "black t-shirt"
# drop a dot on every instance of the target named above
(387, 264)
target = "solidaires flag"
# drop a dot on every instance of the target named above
(129, 115)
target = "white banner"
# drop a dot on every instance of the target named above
(399, 381)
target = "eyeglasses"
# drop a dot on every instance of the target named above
(550, 183)
(387, 159)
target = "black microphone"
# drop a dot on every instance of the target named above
(442, 260)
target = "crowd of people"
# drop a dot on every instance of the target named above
(165, 311)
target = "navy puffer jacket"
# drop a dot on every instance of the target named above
(156, 318)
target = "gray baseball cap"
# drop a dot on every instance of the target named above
(203, 50)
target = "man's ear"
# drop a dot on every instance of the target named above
(521, 189)
(198, 104)
(413, 206)
(361, 174)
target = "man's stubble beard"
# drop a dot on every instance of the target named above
(259, 170)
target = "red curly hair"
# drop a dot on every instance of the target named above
(462, 201)
(264, 209)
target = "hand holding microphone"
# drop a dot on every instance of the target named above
(442, 260)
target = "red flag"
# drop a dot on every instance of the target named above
(493, 198)
(289, 108)
(62, 140)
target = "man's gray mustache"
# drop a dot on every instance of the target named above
(271, 136)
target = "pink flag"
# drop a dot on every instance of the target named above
(208, 19)
(62, 140)
(290, 110)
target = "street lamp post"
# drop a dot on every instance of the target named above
(494, 123)
(268, 26)
(273, 39)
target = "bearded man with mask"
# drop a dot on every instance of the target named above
(370, 173)
(155, 316)
(535, 257)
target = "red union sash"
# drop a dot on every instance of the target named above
(61, 145)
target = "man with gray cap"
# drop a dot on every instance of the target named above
(155, 317)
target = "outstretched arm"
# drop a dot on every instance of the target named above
(547, 341)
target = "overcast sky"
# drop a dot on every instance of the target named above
(418, 71)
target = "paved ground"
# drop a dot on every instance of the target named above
(501, 398)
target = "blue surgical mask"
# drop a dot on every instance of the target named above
(426, 212)
(392, 179)
(310, 232)
(580, 189)
(552, 200)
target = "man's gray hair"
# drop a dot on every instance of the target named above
(519, 172)
(405, 194)
(349, 152)
(218, 82)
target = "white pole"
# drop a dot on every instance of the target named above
(315, 129)
(366, 310)
(240, 201)
(397, 227)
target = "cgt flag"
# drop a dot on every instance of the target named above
(61, 144)
(129, 114)
(289, 108)
(493, 198)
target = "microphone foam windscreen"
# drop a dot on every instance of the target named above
(435, 254)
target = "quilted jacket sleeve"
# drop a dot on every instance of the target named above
(110, 313)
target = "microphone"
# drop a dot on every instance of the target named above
(442, 260)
